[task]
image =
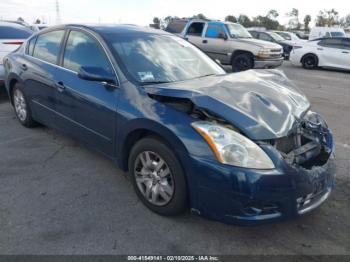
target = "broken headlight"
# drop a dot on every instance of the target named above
(232, 148)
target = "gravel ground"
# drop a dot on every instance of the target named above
(57, 197)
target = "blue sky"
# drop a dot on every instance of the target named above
(142, 11)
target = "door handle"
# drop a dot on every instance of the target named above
(60, 86)
(319, 48)
(205, 41)
(24, 67)
(345, 52)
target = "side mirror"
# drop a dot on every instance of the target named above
(98, 74)
(222, 36)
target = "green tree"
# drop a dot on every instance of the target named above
(244, 20)
(156, 22)
(272, 14)
(231, 18)
(345, 21)
(307, 20)
(327, 18)
(200, 16)
(294, 19)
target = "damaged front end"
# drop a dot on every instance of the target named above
(309, 151)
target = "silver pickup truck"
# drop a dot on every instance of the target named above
(230, 43)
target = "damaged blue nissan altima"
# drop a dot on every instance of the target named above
(239, 148)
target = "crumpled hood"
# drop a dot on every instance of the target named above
(263, 104)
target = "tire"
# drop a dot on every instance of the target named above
(242, 62)
(310, 61)
(21, 107)
(160, 186)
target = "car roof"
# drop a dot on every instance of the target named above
(110, 28)
(13, 24)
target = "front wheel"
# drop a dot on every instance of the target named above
(310, 61)
(242, 62)
(157, 177)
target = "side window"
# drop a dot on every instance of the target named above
(214, 30)
(331, 42)
(30, 46)
(346, 43)
(265, 37)
(47, 46)
(195, 29)
(254, 34)
(83, 50)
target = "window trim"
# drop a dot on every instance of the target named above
(60, 45)
(98, 41)
(63, 45)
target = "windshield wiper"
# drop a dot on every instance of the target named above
(205, 75)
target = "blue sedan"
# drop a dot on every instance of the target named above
(239, 148)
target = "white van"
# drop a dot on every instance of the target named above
(319, 32)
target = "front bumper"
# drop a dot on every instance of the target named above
(272, 63)
(247, 196)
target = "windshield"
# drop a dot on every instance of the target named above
(238, 31)
(276, 37)
(337, 34)
(150, 58)
(14, 32)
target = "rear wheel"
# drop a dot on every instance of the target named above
(21, 107)
(242, 62)
(310, 61)
(158, 177)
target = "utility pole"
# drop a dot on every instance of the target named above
(58, 17)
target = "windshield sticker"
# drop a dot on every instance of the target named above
(146, 76)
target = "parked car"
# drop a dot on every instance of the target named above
(325, 52)
(321, 32)
(229, 43)
(275, 38)
(239, 148)
(12, 36)
(290, 36)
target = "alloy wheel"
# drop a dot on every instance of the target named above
(20, 105)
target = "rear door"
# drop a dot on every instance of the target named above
(39, 67)
(346, 52)
(215, 42)
(86, 109)
(331, 53)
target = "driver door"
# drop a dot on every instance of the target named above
(87, 109)
(216, 44)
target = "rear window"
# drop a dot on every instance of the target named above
(176, 26)
(9, 32)
(47, 46)
(337, 34)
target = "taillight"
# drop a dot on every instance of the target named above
(13, 43)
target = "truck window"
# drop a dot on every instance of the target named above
(214, 30)
(195, 29)
(176, 26)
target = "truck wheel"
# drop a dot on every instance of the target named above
(242, 62)
(309, 61)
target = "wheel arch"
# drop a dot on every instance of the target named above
(12, 80)
(309, 53)
(241, 51)
(147, 128)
